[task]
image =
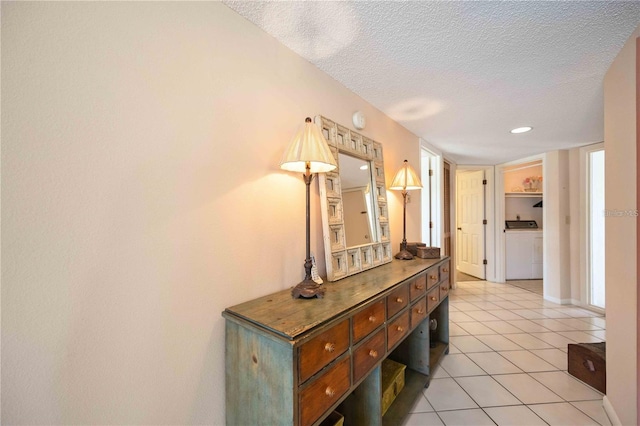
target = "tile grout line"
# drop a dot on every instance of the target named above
(485, 305)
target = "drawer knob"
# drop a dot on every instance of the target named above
(330, 347)
(400, 328)
(434, 298)
(445, 269)
(329, 391)
(372, 318)
(420, 311)
(399, 299)
(419, 286)
(433, 277)
(443, 288)
(373, 353)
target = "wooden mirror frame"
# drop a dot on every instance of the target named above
(343, 261)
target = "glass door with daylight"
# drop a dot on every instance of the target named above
(595, 229)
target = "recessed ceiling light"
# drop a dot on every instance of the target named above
(521, 129)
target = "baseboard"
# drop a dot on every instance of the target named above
(551, 299)
(611, 413)
(562, 301)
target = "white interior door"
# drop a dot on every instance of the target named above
(470, 229)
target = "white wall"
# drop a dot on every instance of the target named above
(142, 195)
(620, 115)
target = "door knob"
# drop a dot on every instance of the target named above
(459, 229)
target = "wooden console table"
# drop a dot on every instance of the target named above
(294, 361)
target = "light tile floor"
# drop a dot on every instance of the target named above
(507, 363)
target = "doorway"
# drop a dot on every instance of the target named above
(519, 197)
(446, 220)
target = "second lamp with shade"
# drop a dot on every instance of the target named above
(406, 179)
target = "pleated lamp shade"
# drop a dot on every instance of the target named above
(308, 146)
(406, 179)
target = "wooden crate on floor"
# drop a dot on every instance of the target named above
(587, 362)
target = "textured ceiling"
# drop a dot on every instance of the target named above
(462, 74)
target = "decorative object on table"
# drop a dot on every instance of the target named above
(413, 247)
(308, 153)
(314, 270)
(353, 241)
(392, 382)
(405, 180)
(532, 183)
(428, 252)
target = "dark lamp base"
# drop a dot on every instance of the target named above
(404, 255)
(308, 289)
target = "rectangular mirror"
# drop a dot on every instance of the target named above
(357, 200)
(353, 202)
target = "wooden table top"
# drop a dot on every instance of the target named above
(289, 318)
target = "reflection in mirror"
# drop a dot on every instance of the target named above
(357, 201)
(353, 198)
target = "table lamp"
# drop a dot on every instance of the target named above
(308, 153)
(405, 180)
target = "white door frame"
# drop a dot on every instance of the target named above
(499, 236)
(490, 247)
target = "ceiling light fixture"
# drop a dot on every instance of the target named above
(521, 129)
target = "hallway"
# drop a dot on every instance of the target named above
(508, 361)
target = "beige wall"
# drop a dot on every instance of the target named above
(577, 215)
(142, 195)
(621, 250)
(556, 214)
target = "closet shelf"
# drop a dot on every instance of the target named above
(523, 194)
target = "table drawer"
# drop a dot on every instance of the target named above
(367, 355)
(418, 287)
(433, 297)
(367, 320)
(322, 349)
(324, 391)
(444, 289)
(418, 312)
(397, 329)
(444, 271)
(397, 300)
(433, 276)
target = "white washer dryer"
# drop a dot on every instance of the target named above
(523, 250)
